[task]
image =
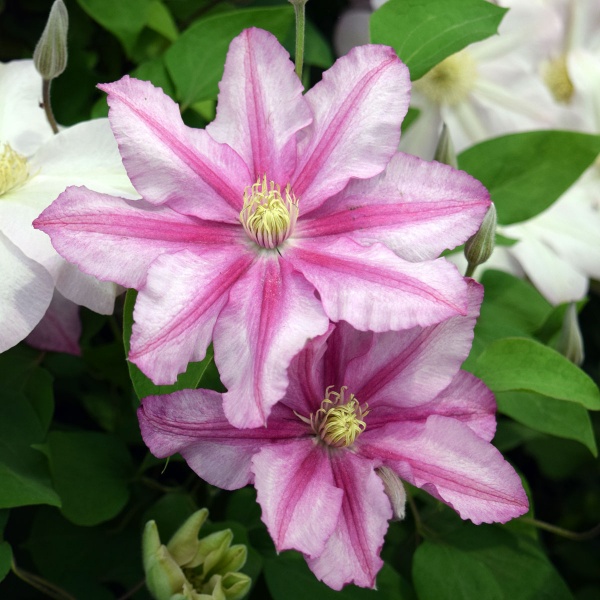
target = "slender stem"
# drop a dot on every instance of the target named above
(300, 23)
(39, 583)
(470, 269)
(47, 106)
(416, 516)
(136, 588)
(571, 535)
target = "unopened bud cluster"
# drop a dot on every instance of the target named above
(193, 568)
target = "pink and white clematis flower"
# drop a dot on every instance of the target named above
(287, 211)
(359, 405)
(35, 166)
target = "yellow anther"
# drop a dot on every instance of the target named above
(267, 216)
(13, 169)
(556, 77)
(339, 421)
(451, 81)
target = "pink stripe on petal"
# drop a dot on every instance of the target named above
(416, 208)
(410, 368)
(170, 163)
(358, 108)
(295, 488)
(261, 107)
(373, 289)
(193, 423)
(352, 552)
(176, 310)
(271, 313)
(451, 462)
(117, 240)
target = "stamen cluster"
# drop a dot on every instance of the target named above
(13, 169)
(267, 216)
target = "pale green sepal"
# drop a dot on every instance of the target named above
(570, 342)
(50, 54)
(213, 590)
(236, 585)
(444, 151)
(150, 543)
(233, 560)
(480, 246)
(164, 576)
(211, 549)
(183, 546)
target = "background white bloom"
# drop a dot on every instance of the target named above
(36, 166)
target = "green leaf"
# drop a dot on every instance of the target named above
(142, 385)
(125, 19)
(155, 71)
(91, 472)
(526, 172)
(195, 61)
(24, 471)
(5, 559)
(159, 19)
(289, 578)
(425, 32)
(519, 364)
(549, 415)
(485, 562)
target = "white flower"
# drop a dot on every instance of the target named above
(36, 166)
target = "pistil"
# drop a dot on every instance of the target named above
(13, 169)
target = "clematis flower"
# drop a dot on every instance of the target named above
(35, 166)
(358, 404)
(287, 211)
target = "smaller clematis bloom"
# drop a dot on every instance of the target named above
(289, 210)
(362, 411)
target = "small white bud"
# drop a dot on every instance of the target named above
(394, 489)
(444, 152)
(570, 342)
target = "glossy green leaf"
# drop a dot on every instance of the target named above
(425, 32)
(289, 578)
(485, 562)
(159, 19)
(142, 385)
(195, 61)
(549, 415)
(526, 172)
(125, 19)
(91, 472)
(519, 364)
(24, 473)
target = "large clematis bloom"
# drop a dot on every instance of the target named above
(358, 404)
(40, 291)
(287, 211)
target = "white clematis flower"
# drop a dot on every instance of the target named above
(35, 167)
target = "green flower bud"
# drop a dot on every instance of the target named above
(189, 568)
(480, 246)
(184, 544)
(50, 54)
(444, 152)
(570, 342)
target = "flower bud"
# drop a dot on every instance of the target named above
(189, 568)
(570, 342)
(444, 151)
(394, 489)
(50, 54)
(480, 246)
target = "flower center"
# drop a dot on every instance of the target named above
(13, 169)
(556, 77)
(339, 421)
(451, 81)
(267, 216)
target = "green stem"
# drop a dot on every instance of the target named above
(39, 583)
(47, 106)
(571, 535)
(300, 25)
(136, 588)
(470, 269)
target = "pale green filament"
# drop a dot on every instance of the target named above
(267, 216)
(13, 169)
